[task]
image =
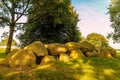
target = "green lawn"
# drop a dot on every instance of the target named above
(2, 54)
(79, 69)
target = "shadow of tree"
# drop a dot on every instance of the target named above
(76, 69)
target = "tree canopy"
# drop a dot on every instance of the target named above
(51, 21)
(114, 11)
(10, 12)
(97, 39)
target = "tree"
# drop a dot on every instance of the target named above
(97, 39)
(4, 42)
(114, 11)
(53, 21)
(10, 12)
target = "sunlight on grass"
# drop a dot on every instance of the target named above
(12, 73)
(88, 76)
(77, 69)
(88, 71)
(2, 55)
(43, 66)
(108, 72)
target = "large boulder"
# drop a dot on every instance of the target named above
(107, 52)
(86, 46)
(20, 58)
(91, 54)
(73, 46)
(64, 57)
(48, 59)
(76, 54)
(38, 48)
(56, 48)
(10, 55)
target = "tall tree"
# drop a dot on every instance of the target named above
(10, 12)
(97, 39)
(52, 21)
(114, 11)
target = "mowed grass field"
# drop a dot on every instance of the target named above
(78, 69)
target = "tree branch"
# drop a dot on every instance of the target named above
(23, 12)
(21, 23)
(3, 1)
(20, 13)
(4, 20)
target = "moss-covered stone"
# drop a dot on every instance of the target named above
(20, 58)
(38, 48)
(86, 46)
(107, 52)
(9, 55)
(64, 57)
(91, 54)
(76, 54)
(56, 48)
(48, 59)
(73, 46)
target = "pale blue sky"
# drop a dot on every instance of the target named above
(94, 17)
(97, 4)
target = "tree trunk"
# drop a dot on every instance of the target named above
(9, 43)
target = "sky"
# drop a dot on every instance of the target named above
(93, 15)
(93, 18)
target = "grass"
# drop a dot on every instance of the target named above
(77, 69)
(2, 54)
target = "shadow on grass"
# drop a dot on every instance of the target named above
(77, 69)
(105, 69)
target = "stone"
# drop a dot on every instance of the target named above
(75, 54)
(38, 48)
(20, 58)
(64, 57)
(48, 59)
(56, 49)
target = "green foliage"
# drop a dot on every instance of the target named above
(10, 12)
(97, 39)
(114, 11)
(51, 22)
(4, 42)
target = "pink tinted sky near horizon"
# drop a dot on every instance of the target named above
(94, 17)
